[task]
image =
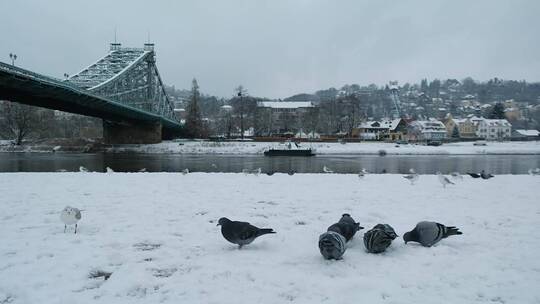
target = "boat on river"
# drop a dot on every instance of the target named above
(289, 149)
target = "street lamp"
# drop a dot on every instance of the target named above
(13, 57)
(241, 114)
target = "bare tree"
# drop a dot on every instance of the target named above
(194, 125)
(17, 121)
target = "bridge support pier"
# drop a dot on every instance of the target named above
(120, 133)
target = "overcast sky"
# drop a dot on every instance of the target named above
(280, 48)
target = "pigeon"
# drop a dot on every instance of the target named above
(443, 179)
(82, 169)
(241, 233)
(534, 171)
(456, 176)
(185, 171)
(109, 170)
(379, 238)
(485, 175)
(327, 170)
(332, 245)
(346, 226)
(70, 216)
(291, 172)
(474, 175)
(429, 233)
(412, 176)
(270, 173)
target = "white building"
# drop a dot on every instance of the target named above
(427, 130)
(494, 129)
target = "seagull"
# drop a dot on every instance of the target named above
(443, 179)
(70, 216)
(185, 171)
(363, 172)
(327, 170)
(82, 169)
(346, 226)
(142, 170)
(429, 233)
(241, 233)
(109, 170)
(412, 176)
(485, 175)
(379, 238)
(456, 175)
(214, 166)
(257, 171)
(534, 171)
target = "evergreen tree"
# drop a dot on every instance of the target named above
(194, 126)
(497, 112)
(455, 132)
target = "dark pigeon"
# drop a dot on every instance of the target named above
(474, 175)
(485, 175)
(241, 233)
(346, 226)
(379, 238)
(429, 233)
(332, 245)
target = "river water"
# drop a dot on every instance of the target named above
(424, 164)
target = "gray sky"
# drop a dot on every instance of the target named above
(279, 48)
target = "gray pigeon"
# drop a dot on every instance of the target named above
(332, 245)
(429, 233)
(346, 226)
(241, 233)
(379, 238)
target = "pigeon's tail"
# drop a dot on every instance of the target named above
(451, 231)
(265, 231)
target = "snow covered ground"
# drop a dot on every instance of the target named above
(204, 147)
(157, 234)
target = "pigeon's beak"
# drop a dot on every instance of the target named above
(217, 224)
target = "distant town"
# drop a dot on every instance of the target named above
(429, 111)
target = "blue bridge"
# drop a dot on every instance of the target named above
(123, 88)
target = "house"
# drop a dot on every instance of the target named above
(285, 117)
(427, 130)
(526, 134)
(467, 127)
(385, 129)
(494, 129)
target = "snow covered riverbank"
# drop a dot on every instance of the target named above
(157, 234)
(198, 147)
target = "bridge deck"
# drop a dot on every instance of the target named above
(23, 86)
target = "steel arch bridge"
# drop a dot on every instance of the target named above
(123, 88)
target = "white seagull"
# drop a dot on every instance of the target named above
(412, 176)
(70, 216)
(362, 173)
(185, 171)
(443, 179)
(109, 170)
(257, 171)
(327, 170)
(82, 169)
(534, 171)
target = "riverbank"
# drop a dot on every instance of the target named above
(363, 148)
(157, 234)
(254, 148)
